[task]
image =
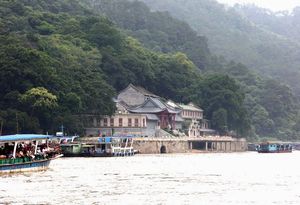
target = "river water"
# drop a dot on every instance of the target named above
(233, 178)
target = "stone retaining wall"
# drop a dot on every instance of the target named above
(156, 146)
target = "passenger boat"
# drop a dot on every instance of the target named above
(269, 147)
(26, 152)
(103, 147)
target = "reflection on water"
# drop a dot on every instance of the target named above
(236, 178)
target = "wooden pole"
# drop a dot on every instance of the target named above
(1, 127)
(15, 150)
(17, 124)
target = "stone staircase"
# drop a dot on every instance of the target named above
(160, 133)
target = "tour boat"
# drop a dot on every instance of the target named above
(26, 152)
(269, 147)
(102, 147)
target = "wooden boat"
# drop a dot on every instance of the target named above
(274, 147)
(103, 147)
(26, 152)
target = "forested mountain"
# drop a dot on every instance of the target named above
(156, 30)
(63, 59)
(231, 35)
(159, 31)
(60, 60)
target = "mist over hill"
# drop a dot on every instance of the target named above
(271, 51)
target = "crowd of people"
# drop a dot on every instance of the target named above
(29, 150)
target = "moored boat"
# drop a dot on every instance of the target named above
(26, 152)
(253, 147)
(274, 147)
(102, 147)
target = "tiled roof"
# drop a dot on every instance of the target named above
(159, 103)
(145, 110)
(151, 117)
(160, 107)
(190, 107)
(144, 91)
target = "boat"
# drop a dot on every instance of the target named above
(102, 147)
(274, 147)
(296, 146)
(26, 152)
(252, 147)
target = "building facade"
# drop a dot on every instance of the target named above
(194, 124)
(143, 113)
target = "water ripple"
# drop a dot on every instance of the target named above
(227, 179)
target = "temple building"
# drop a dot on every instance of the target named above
(194, 124)
(143, 113)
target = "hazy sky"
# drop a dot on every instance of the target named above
(274, 5)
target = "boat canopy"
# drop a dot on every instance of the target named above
(123, 136)
(23, 137)
(109, 139)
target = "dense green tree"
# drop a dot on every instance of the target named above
(39, 99)
(221, 97)
(219, 120)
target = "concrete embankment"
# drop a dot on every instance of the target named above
(184, 145)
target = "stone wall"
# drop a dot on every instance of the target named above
(183, 145)
(156, 146)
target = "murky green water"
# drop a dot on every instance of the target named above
(236, 178)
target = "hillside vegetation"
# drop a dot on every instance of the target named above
(61, 60)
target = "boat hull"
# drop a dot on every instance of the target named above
(86, 155)
(97, 154)
(31, 166)
(281, 151)
(40, 165)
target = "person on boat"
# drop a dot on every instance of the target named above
(2, 153)
(10, 155)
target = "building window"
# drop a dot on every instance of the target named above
(144, 122)
(120, 122)
(136, 122)
(105, 122)
(112, 122)
(129, 122)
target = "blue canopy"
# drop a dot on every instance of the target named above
(23, 137)
(109, 138)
